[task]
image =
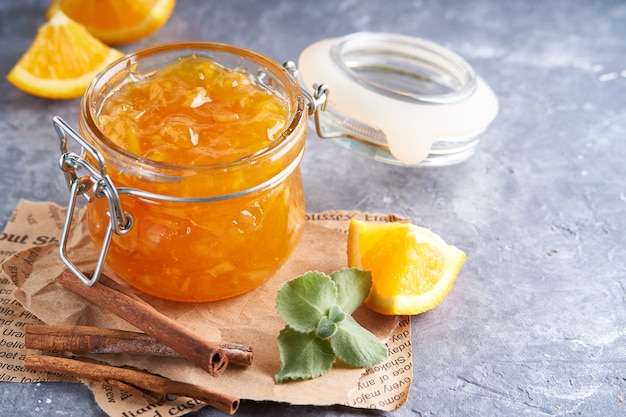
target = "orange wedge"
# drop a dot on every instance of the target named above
(413, 269)
(61, 61)
(117, 21)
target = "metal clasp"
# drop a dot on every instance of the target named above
(316, 101)
(329, 122)
(94, 184)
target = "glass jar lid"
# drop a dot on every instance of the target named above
(399, 99)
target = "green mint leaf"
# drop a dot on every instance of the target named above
(303, 355)
(356, 345)
(353, 286)
(317, 309)
(325, 328)
(303, 301)
(335, 314)
(327, 325)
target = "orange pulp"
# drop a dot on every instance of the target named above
(206, 119)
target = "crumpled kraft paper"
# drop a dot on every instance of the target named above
(247, 319)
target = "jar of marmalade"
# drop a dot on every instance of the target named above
(192, 153)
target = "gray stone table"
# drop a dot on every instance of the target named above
(536, 322)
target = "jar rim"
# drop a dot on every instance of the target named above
(121, 66)
(405, 68)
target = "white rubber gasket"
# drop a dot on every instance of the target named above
(410, 124)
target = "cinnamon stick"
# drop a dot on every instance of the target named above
(112, 297)
(89, 339)
(151, 385)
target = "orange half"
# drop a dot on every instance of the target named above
(117, 21)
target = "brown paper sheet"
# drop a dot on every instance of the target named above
(29, 295)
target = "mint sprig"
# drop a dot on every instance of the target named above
(317, 309)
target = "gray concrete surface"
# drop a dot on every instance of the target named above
(536, 322)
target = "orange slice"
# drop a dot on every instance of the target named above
(61, 61)
(117, 21)
(413, 269)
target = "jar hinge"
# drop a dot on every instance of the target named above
(316, 101)
(95, 184)
(331, 123)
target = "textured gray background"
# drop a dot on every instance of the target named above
(536, 322)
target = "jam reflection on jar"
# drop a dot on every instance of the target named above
(211, 135)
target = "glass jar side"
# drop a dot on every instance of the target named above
(204, 251)
(202, 233)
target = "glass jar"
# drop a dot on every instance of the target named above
(398, 99)
(193, 232)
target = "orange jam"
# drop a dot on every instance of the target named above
(215, 157)
(193, 112)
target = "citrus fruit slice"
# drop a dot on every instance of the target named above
(117, 21)
(61, 61)
(413, 269)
